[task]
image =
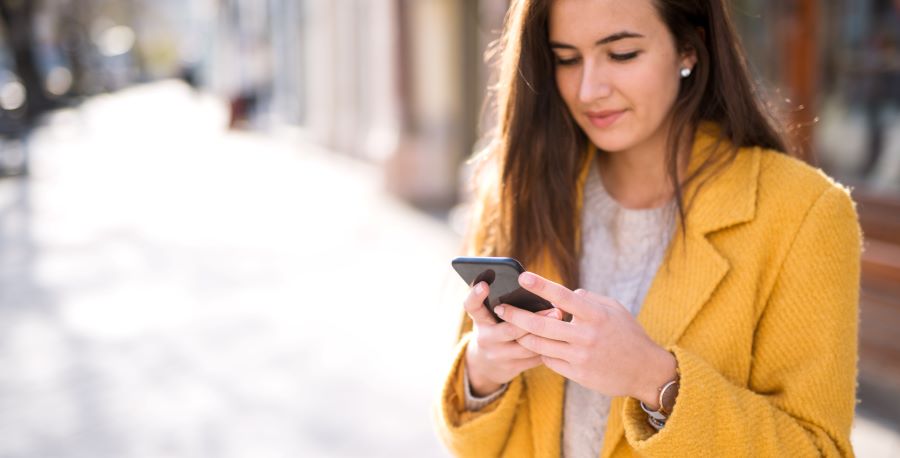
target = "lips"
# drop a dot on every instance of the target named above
(605, 118)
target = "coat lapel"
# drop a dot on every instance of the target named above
(693, 267)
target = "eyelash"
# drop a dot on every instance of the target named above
(623, 57)
(616, 57)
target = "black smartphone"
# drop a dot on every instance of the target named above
(502, 275)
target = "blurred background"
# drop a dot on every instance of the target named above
(226, 225)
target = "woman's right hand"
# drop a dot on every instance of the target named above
(493, 357)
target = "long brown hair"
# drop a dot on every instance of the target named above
(527, 198)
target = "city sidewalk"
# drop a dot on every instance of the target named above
(169, 288)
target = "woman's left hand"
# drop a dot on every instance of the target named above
(603, 348)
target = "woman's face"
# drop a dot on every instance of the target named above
(617, 69)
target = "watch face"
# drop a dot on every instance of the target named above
(667, 398)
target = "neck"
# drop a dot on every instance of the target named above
(638, 177)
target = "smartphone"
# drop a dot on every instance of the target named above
(502, 275)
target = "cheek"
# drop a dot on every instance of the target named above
(567, 81)
(652, 89)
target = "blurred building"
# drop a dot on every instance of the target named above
(396, 82)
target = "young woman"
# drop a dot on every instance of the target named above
(705, 283)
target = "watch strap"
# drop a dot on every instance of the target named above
(654, 414)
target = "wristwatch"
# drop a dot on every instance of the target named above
(667, 395)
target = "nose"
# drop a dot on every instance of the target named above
(595, 83)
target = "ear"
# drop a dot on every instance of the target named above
(688, 59)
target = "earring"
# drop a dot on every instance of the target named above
(685, 72)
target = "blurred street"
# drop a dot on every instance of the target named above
(169, 288)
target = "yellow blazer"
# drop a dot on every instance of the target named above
(758, 301)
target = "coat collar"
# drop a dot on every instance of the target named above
(726, 198)
(724, 195)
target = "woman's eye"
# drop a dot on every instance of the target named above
(624, 56)
(570, 61)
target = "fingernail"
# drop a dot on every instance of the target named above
(498, 310)
(580, 292)
(479, 288)
(526, 279)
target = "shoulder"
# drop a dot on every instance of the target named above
(778, 170)
(798, 211)
(790, 189)
(770, 190)
(790, 211)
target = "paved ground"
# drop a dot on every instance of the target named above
(171, 289)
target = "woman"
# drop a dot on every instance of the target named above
(715, 279)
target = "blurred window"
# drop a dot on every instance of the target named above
(6, 58)
(855, 79)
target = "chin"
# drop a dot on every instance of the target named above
(610, 141)
(618, 137)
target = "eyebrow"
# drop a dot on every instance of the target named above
(605, 40)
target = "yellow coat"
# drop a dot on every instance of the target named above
(759, 304)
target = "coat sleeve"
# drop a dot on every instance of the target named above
(481, 433)
(800, 396)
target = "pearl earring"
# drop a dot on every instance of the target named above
(685, 72)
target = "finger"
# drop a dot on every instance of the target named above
(597, 298)
(474, 304)
(560, 366)
(504, 332)
(554, 313)
(536, 324)
(546, 347)
(557, 294)
(528, 363)
(557, 314)
(512, 351)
